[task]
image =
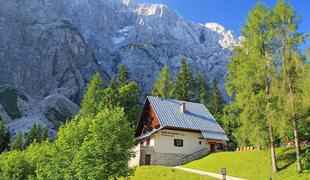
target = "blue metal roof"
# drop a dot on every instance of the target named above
(214, 135)
(196, 116)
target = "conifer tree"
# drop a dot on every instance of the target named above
(216, 103)
(164, 83)
(92, 97)
(38, 134)
(287, 41)
(17, 144)
(123, 94)
(123, 75)
(250, 78)
(5, 136)
(31, 135)
(45, 134)
(203, 91)
(184, 85)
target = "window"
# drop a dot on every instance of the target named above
(148, 141)
(199, 142)
(178, 142)
(220, 146)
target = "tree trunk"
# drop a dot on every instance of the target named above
(273, 152)
(297, 145)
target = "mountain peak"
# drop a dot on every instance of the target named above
(147, 9)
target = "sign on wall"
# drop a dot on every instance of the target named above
(171, 133)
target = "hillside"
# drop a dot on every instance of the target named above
(252, 164)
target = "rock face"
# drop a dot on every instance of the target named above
(52, 48)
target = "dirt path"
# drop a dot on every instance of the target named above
(215, 175)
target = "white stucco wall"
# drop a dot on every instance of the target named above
(135, 161)
(164, 142)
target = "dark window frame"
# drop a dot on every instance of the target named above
(178, 142)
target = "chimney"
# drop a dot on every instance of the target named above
(182, 107)
(158, 95)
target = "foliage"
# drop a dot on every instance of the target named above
(184, 84)
(202, 89)
(17, 144)
(253, 164)
(92, 97)
(164, 83)
(98, 147)
(123, 75)
(129, 100)
(216, 102)
(8, 99)
(36, 135)
(106, 151)
(14, 165)
(287, 43)
(5, 136)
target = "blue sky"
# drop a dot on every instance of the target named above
(230, 13)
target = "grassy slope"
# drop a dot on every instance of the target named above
(251, 164)
(165, 173)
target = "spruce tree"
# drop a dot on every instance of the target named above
(4, 136)
(38, 134)
(203, 91)
(216, 103)
(92, 97)
(129, 100)
(45, 134)
(122, 94)
(31, 135)
(184, 85)
(164, 83)
(123, 75)
(17, 144)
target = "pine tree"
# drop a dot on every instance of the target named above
(92, 97)
(17, 144)
(125, 95)
(129, 100)
(216, 103)
(164, 83)
(45, 134)
(183, 89)
(31, 135)
(287, 41)
(5, 136)
(123, 75)
(203, 91)
(38, 134)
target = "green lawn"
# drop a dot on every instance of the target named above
(165, 173)
(252, 164)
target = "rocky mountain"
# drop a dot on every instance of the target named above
(49, 50)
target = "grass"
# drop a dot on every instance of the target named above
(165, 173)
(253, 164)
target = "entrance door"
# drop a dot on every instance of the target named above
(212, 147)
(148, 159)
